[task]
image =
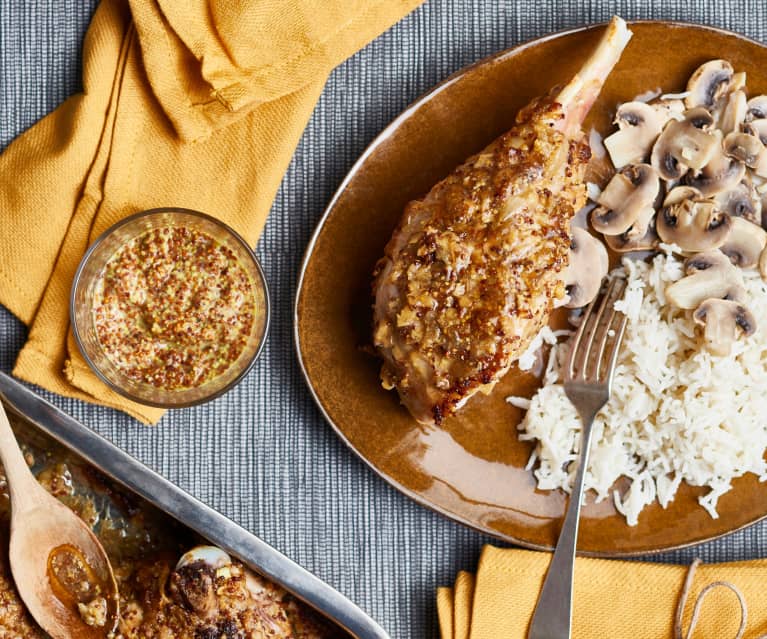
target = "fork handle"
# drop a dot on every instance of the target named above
(552, 618)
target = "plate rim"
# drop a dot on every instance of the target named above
(379, 139)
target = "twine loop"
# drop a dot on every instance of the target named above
(679, 631)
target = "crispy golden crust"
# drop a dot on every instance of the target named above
(471, 272)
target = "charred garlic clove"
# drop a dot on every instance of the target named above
(639, 125)
(626, 242)
(629, 196)
(211, 556)
(756, 108)
(693, 225)
(745, 243)
(707, 275)
(708, 83)
(192, 583)
(586, 269)
(742, 201)
(724, 321)
(684, 144)
(721, 173)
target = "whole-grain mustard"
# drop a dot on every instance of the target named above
(174, 308)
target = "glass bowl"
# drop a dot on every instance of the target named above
(85, 288)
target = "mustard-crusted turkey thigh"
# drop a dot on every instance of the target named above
(472, 271)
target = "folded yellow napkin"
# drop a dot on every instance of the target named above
(613, 599)
(196, 104)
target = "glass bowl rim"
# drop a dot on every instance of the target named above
(150, 213)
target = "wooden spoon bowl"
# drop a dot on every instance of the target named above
(56, 560)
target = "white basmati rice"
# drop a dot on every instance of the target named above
(677, 413)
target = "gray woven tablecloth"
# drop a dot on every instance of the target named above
(262, 454)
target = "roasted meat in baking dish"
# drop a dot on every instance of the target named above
(474, 267)
(206, 594)
(209, 594)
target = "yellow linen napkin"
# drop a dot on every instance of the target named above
(615, 599)
(196, 104)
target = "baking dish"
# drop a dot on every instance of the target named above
(46, 421)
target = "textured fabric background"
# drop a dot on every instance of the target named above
(262, 454)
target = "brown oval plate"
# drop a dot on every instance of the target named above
(472, 469)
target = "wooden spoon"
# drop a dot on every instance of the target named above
(47, 540)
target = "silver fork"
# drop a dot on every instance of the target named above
(588, 382)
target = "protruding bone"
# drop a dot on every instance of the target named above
(578, 96)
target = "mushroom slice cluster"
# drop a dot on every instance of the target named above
(639, 125)
(691, 172)
(713, 287)
(707, 275)
(692, 222)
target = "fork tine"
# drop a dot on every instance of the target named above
(575, 348)
(616, 349)
(616, 289)
(579, 355)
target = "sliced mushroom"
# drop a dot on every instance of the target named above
(627, 197)
(742, 201)
(745, 243)
(681, 193)
(724, 321)
(639, 125)
(721, 173)
(639, 227)
(708, 83)
(738, 81)
(733, 113)
(747, 149)
(759, 185)
(763, 265)
(693, 225)
(757, 128)
(684, 144)
(627, 243)
(707, 275)
(669, 108)
(756, 108)
(586, 269)
(599, 171)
